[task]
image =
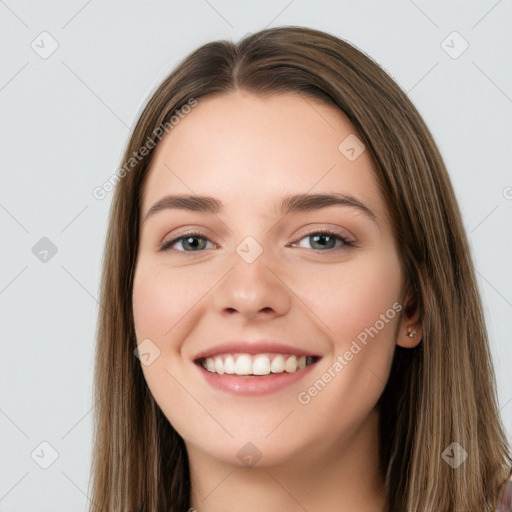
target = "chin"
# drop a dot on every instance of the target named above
(255, 453)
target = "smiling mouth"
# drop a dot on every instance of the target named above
(255, 364)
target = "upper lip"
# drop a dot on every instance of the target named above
(253, 347)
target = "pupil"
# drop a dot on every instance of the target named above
(322, 238)
(193, 242)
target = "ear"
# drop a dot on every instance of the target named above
(409, 332)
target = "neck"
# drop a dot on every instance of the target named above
(333, 476)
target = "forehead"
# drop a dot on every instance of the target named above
(251, 150)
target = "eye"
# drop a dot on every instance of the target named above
(318, 240)
(190, 242)
(326, 240)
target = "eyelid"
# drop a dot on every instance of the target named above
(167, 244)
(347, 242)
(312, 229)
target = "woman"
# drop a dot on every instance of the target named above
(290, 314)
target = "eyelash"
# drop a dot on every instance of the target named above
(166, 246)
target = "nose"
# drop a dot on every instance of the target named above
(252, 291)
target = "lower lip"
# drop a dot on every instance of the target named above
(250, 385)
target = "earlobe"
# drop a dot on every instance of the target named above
(410, 333)
(409, 336)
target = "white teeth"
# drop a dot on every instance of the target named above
(260, 364)
(219, 365)
(291, 364)
(243, 365)
(277, 365)
(210, 365)
(229, 365)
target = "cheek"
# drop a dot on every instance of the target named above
(164, 312)
(351, 298)
(161, 300)
(360, 304)
(149, 301)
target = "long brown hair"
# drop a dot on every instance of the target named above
(439, 393)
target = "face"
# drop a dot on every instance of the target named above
(252, 283)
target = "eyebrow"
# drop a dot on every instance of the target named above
(290, 204)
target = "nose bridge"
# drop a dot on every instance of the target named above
(252, 286)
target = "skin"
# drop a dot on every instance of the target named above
(250, 152)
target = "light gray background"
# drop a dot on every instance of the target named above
(64, 123)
